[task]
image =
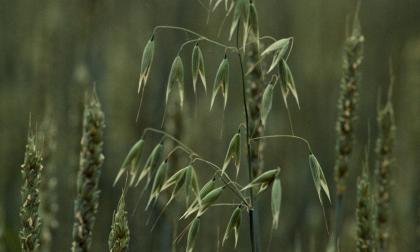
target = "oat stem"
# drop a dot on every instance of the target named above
(226, 47)
(248, 144)
(285, 136)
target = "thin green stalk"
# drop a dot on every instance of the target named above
(254, 247)
(285, 136)
(196, 34)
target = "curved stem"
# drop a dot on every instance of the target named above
(228, 182)
(285, 136)
(196, 34)
(268, 37)
(290, 121)
(191, 152)
(179, 147)
(186, 43)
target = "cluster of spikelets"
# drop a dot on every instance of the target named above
(29, 211)
(119, 236)
(365, 213)
(155, 172)
(347, 104)
(91, 160)
(383, 171)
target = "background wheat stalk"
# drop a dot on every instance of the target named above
(255, 88)
(91, 160)
(353, 56)
(384, 150)
(29, 210)
(364, 213)
(48, 195)
(119, 236)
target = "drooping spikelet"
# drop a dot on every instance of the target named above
(119, 236)
(353, 55)
(48, 196)
(91, 160)
(29, 211)
(383, 171)
(364, 214)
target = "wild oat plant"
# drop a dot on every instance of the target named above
(29, 211)
(91, 160)
(156, 172)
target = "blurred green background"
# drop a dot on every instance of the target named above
(52, 51)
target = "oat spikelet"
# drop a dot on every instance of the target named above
(91, 160)
(120, 234)
(383, 171)
(29, 211)
(353, 55)
(364, 214)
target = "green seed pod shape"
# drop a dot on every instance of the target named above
(264, 180)
(318, 177)
(276, 201)
(131, 160)
(192, 234)
(279, 48)
(146, 63)
(233, 153)
(234, 224)
(176, 77)
(151, 163)
(221, 81)
(209, 199)
(197, 65)
(158, 181)
(266, 103)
